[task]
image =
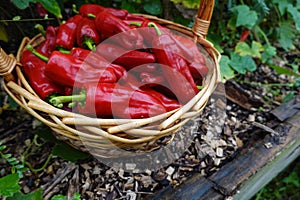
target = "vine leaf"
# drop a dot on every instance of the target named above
(22, 4)
(245, 16)
(295, 14)
(226, 70)
(286, 35)
(242, 64)
(52, 6)
(36, 195)
(153, 7)
(9, 185)
(244, 49)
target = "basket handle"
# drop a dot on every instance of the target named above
(7, 64)
(202, 20)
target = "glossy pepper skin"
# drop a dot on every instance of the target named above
(66, 70)
(110, 25)
(87, 35)
(123, 57)
(151, 79)
(175, 68)
(110, 100)
(97, 61)
(34, 69)
(48, 45)
(136, 85)
(66, 34)
(88, 9)
(191, 53)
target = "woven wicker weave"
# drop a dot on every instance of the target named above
(99, 133)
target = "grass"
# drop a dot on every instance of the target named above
(284, 186)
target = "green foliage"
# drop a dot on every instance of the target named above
(50, 5)
(9, 185)
(35, 195)
(188, 3)
(60, 148)
(243, 16)
(266, 20)
(16, 167)
(62, 197)
(67, 152)
(153, 7)
(286, 185)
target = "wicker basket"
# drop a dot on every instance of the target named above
(100, 134)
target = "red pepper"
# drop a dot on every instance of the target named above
(47, 46)
(94, 9)
(34, 69)
(97, 61)
(151, 79)
(66, 34)
(149, 33)
(168, 102)
(175, 68)
(190, 51)
(109, 100)
(86, 34)
(110, 25)
(41, 10)
(245, 34)
(123, 57)
(66, 70)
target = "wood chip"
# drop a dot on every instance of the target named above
(170, 170)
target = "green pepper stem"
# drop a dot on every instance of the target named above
(89, 42)
(58, 101)
(39, 55)
(64, 50)
(74, 9)
(152, 24)
(91, 15)
(135, 23)
(41, 29)
(200, 87)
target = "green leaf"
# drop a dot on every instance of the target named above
(191, 3)
(295, 14)
(59, 197)
(282, 5)
(242, 64)
(22, 4)
(36, 195)
(76, 196)
(128, 5)
(153, 7)
(244, 49)
(226, 70)
(288, 97)
(245, 16)
(188, 3)
(293, 178)
(286, 35)
(9, 185)
(269, 52)
(52, 6)
(282, 70)
(67, 152)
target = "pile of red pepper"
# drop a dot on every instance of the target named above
(144, 70)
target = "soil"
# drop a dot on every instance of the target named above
(249, 98)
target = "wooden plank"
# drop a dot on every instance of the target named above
(192, 189)
(250, 187)
(251, 169)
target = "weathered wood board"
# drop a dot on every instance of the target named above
(250, 170)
